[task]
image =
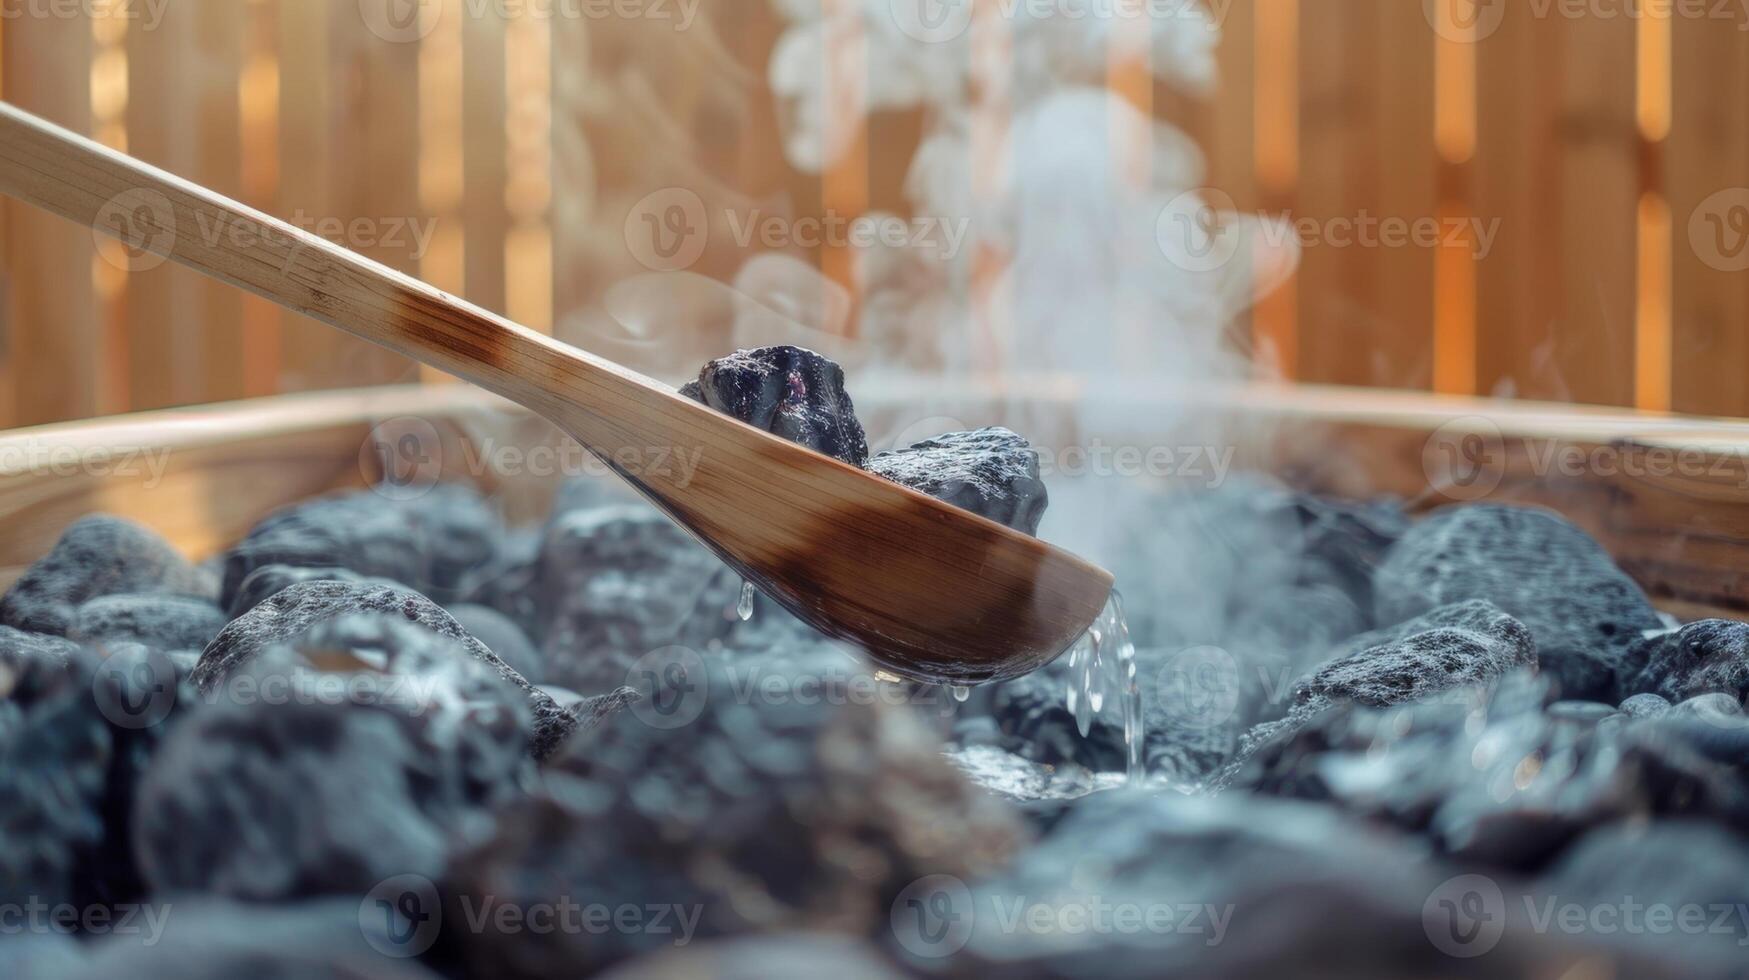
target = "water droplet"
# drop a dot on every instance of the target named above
(744, 608)
(960, 692)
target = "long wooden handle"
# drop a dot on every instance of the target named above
(152, 211)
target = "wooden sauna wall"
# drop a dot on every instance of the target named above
(1604, 147)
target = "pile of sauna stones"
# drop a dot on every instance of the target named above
(799, 395)
(397, 737)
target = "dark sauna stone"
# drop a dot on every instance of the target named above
(160, 621)
(1585, 614)
(1495, 778)
(760, 814)
(287, 615)
(96, 556)
(1711, 656)
(788, 391)
(270, 579)
(1450, 647)
(430, 543)
(55, 755)
(613, 583)
(368, 748)
(1194, 713)
(503, 637)
(19, 649)
(1645, 706)
(991, 472)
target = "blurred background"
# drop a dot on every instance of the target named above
(1527, 200)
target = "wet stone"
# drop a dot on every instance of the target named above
(764, 813)
(1494, 778)
(1711, 656)
(614, 583)
(992, 472)
(1584, 613)
(788, 391)
(284, 617)
(367, 748)
(97, 556)
(1194, 707)
(1645, 706)
(1450, 647)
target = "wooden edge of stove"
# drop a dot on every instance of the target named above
(1669, 496)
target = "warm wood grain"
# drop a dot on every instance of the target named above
(929, 590)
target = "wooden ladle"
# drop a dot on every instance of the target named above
(930, 591)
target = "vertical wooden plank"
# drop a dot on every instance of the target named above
(1403, 194)
(216, 67)
(1706, 171)
(1517, 183)
(186, 332)
(54, 327)
(8, 364)
(259, 98)
(377, 161)
(1276, 129)
(162, 299)
(1367, 186)
(1335, 116)
(1600, 194)
(484, 157)
(575, 201)
(308, 105)
(528, 247)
